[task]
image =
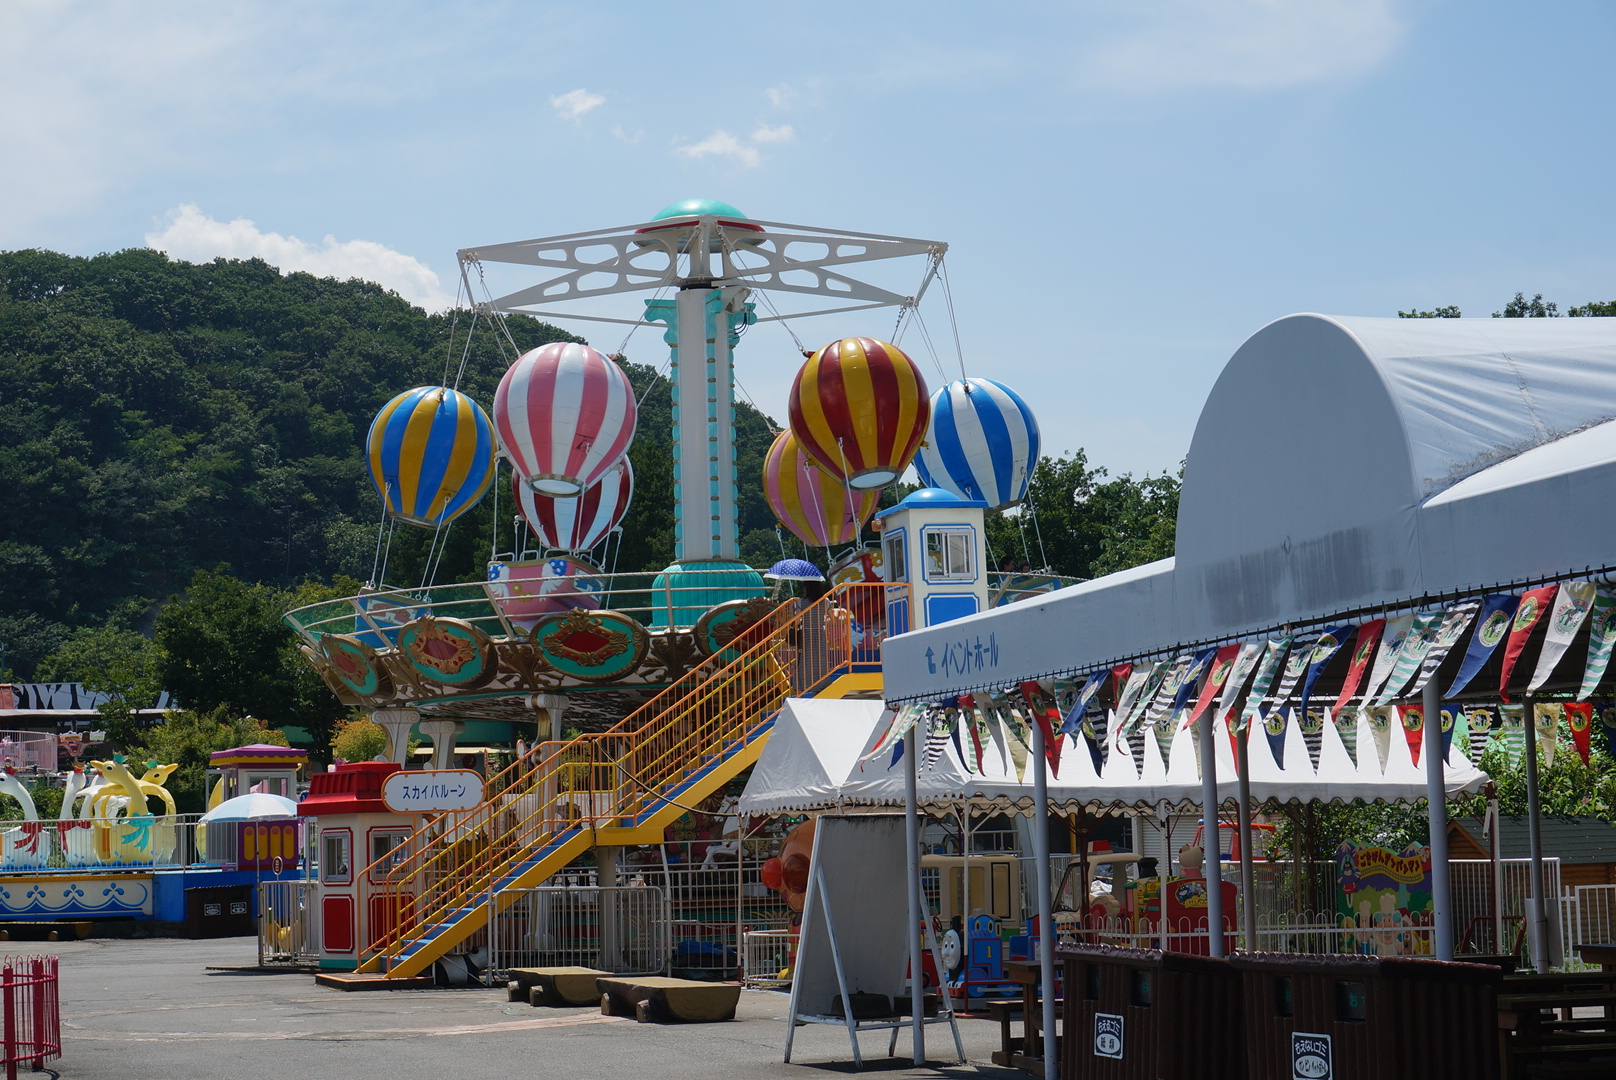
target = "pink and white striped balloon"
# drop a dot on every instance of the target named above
(565, 414)
(582, 521)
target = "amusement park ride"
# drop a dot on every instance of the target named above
(692, 662)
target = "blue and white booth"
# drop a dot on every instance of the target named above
(933, 542)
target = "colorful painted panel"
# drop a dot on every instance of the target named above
(61, 896)
(448, 652)
(736, 623)
(355, 665)
(595, 646)
(1383, 896)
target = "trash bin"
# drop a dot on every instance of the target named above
(1142, 1014)
(1369, 1018)
(219, 911)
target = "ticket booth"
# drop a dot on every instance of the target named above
(933, 542)
(353, 829)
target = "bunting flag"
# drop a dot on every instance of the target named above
(1481, 722)
(1455, 621)
(1346, 726)
(1074, 715)
(1130, 685)
(1413, 718)
(1534, 602)
(1190, 683)
(1002, 744)
(1391, 644)
(1380, 726)
(1244, 664)
(1312, 724)
(1178, 672)
(1142, 687)
(1223, 662)
(1580, 719)
(1324, 650)
(897, 752)
(1492, 624)
(902, 721)
(1045, 715)
(1274, 726)
(1512, 720)
(1449, 714)
(1601, 636)
(1571, 606)
(1607, 721)
(942, 728)
(1416, 646)
(1548, 729)
(1163, 730)
(1093, 728)
(1295, 668)
(1363, 650)
(1273, 659)
(1120, 674)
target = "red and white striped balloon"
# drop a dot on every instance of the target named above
(565, 414)
(580, 522)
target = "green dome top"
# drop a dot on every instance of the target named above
(698, 208)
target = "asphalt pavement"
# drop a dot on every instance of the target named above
(150, 1010)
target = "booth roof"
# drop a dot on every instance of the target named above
(1339, 464)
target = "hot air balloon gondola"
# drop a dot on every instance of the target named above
(582, 521)
(859, 408)
(431, 454)
(809, 501)
(565, 414)
(982, 443)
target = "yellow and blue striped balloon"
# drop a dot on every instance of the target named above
(431, 455)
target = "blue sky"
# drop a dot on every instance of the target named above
(1128, 189)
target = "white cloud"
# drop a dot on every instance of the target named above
(194, 236)
(781, 96)
(575, 103)
(767, 134)
(1248, 44)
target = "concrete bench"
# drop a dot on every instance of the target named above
(653, 999)
(555, 986)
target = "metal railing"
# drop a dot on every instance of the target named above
(287, 924)
(30, 1012)
(622, 929)
(143, 840)
(765, 955)
(1588, 917)
(624, 776)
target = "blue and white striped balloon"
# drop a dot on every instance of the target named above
(982, 443)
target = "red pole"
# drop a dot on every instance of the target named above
(9, 993)
(38, 991)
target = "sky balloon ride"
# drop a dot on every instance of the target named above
(982, 443)
(432, 453)
(859, 408)
(579, 522)
(565, 415)
(816, 506)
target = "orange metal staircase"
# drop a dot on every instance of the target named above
(620, 787)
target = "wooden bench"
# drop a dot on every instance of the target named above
(653, 999)
(555, 986)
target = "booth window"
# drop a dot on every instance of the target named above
(893, 563)
(336, 857)
(949, 555)
(387, 841)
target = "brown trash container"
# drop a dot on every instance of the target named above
(1369, 1018)
(219, 911)
(1140, 1014)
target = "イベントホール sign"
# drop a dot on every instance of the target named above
(1108, 1036)
(432, 791)
(1310, 1057)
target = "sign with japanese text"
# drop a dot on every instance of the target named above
(432, 791)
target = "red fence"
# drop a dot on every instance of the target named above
(32, 1012)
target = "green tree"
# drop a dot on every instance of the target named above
(1593, 308)
(358, 738)
(188, 738)
(1451, 311)
(114, 661)
(1522, 308)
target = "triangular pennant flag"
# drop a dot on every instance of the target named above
(1607, 722)
(1363, 650)
(1274, 726)
(1513, 718)
(1079, 706)
(1222, 664)
(1580, 718)
(1391, 645)
(1312, 724)
(1136, 746)
(1534, 602)
(1191, 682)
(1245, 662)
(1016, 741)
(1492, 625)
(1380, 726)
(897, 752)
(1416, 646)
(941, 729)
(1132, 686)
(1548, 729)
(1046, 716)
(1324, 650)
(1093, 728)
(1346, 726)
(1450, 718)
(1120, 674)
(1413, 718)
(1448, 632)
(1273, 660)
(1002, 743)
(1167, 693)
(899, 726)
(1571, 606)
(1601, 637)
(1481, 722)
(1164, 731)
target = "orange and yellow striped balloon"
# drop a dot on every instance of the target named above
(859, 407)
(813, 504)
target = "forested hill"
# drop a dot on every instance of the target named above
(161, 417)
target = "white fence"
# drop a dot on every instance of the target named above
(623, 929)
(1588, 916)
(287, 925)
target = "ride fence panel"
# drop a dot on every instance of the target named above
(714, 901)
(31, 1004)
(144, 840)
(621, 929)
(288, 924)
(765, 954)
(1588, 917)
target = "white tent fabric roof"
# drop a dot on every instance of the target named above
(1340, 464)
(812, 739)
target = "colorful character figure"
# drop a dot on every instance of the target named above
(21, 846)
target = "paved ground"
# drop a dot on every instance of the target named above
(148, 1010)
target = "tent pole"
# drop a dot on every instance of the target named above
(1211, 859)
(965, 902)
(1046, 916)
(1248, 871)
(1436, 801)
(1536, 907)
(911, 829)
